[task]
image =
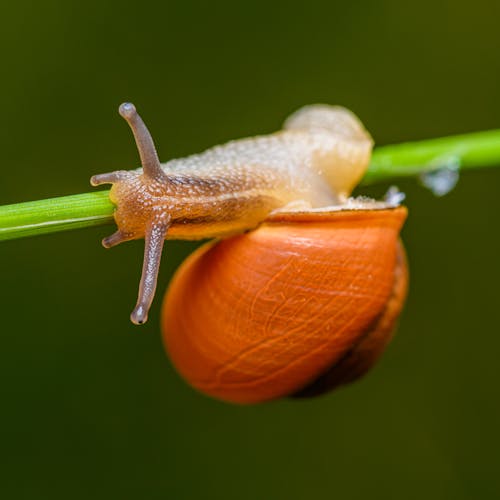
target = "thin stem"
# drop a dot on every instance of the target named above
(468, 151)
(55, 214)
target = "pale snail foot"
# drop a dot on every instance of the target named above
(294, 206)
(132, 211)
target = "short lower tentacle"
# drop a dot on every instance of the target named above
(109, 178)
(115, 239)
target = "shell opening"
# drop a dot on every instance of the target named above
(392, 199)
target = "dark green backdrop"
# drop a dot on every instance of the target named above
(90, 406)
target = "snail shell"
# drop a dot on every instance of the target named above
(304, 303)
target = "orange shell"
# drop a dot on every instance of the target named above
(304, 303)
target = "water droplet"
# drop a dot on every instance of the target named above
(394, 197)
(443, 178)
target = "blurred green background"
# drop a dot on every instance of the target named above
(90, 405)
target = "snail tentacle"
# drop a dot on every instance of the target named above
(115, 239)
(109, 178)
(154, 239)
(144, 141)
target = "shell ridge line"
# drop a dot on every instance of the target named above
(276, 372)
(263, 342)
(228, 364)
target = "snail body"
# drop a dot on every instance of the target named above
(302, 290)
(316, 160)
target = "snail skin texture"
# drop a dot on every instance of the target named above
(305, 301)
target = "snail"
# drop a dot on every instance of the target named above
(301, 290)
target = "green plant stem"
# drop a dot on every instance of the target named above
(468, 151)
(55, 214)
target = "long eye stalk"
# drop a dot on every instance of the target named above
(145, 145)
(154, 239)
